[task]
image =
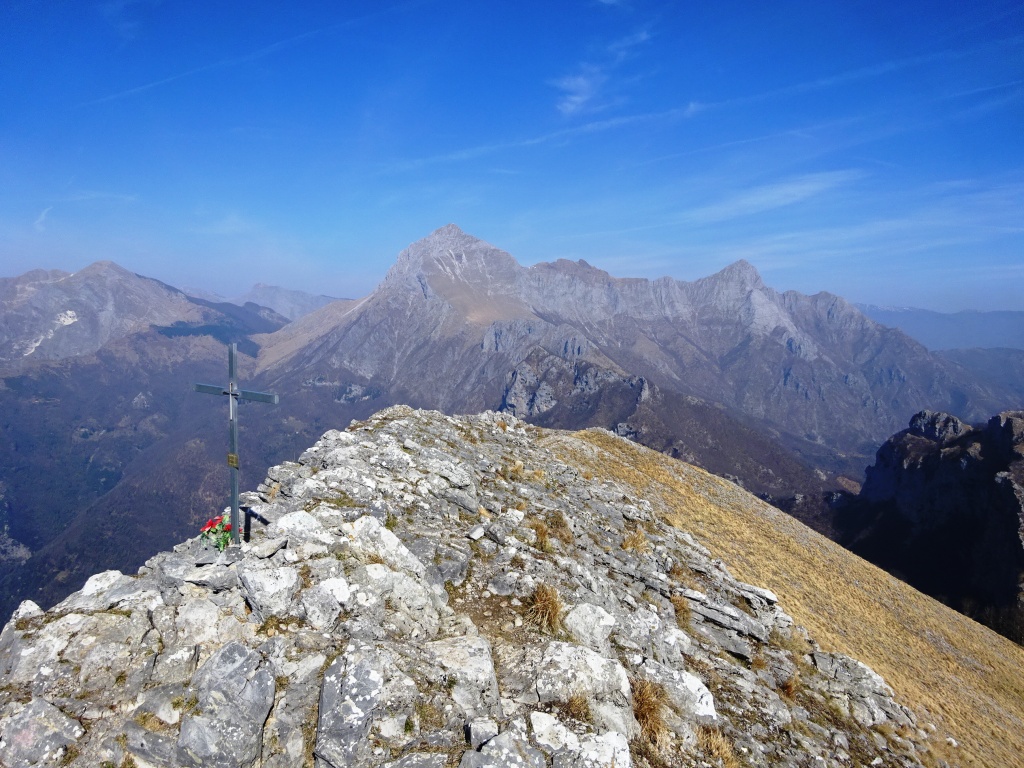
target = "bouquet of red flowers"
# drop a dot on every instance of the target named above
(217, 530)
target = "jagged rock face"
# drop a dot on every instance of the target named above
(422, 590)
(943, 506)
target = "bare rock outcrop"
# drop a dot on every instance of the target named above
(423, 591)
(943, 506)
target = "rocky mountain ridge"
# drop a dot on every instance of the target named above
(96, 445)
(47, 316)
(424, 591)
(811, 370)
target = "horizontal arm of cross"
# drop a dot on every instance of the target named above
(209, 389)
(259, 397)
(242, 394)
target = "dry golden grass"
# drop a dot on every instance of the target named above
(544, 543)
(714, 744)
(577, 708)
(545, 609)
(958, 674)
(560, 528)
(790, 687)
(649, 701)
(683, 614)
(636, 541)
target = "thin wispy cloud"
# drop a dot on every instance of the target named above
(88, 195)
(585, 89)
(255, 55)
(120, 15)
(595, 126)
(771, 196)
(229, 224)
(40, 223)
(580, 90)
(856, 75)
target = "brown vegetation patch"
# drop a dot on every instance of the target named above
(712, 742)
(429, 716)
(545, 609)
(560, 528)
(649, 701)
(683, 613)
(544, 543)
(577, 708)
(636, 541)
(789, 687)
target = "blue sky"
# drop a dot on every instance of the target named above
(870, 149)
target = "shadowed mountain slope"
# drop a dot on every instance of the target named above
(943, 508)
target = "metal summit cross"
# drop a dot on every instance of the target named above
(234, 395)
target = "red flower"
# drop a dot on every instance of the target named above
(209, 525)
(227, 527)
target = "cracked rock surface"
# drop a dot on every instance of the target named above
(422, 591)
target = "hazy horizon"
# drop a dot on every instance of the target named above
(869, 150)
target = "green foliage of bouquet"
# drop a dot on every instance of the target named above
(217, 530)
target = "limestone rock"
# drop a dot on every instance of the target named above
(386, 613)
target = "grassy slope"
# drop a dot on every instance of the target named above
(950, 670)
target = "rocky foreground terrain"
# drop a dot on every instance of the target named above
(423, 591)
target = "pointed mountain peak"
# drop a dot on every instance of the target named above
(742, 272)
(451, 237)
(105, 267)
(448, 230)
(456, 253)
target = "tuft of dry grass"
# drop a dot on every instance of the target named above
(545, 609)
(683, 614)
(790, 687)
(577, 708)
(150, 722)
(429, 716)
(950, 670)
(561, 529)
(544, 543)
(636, 541)
(712, 742)
(649, 701)
(678, 572)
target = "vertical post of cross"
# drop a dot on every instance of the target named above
(234, 395)
(233, 440)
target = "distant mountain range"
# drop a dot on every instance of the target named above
(955, 330)
(288, 303)
(107, 455)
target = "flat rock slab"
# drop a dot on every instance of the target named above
(352, 689)
(504, 751)
(235, 692)
(38, 735)
(468, 659)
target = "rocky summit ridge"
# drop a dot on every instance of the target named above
(422, 591)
